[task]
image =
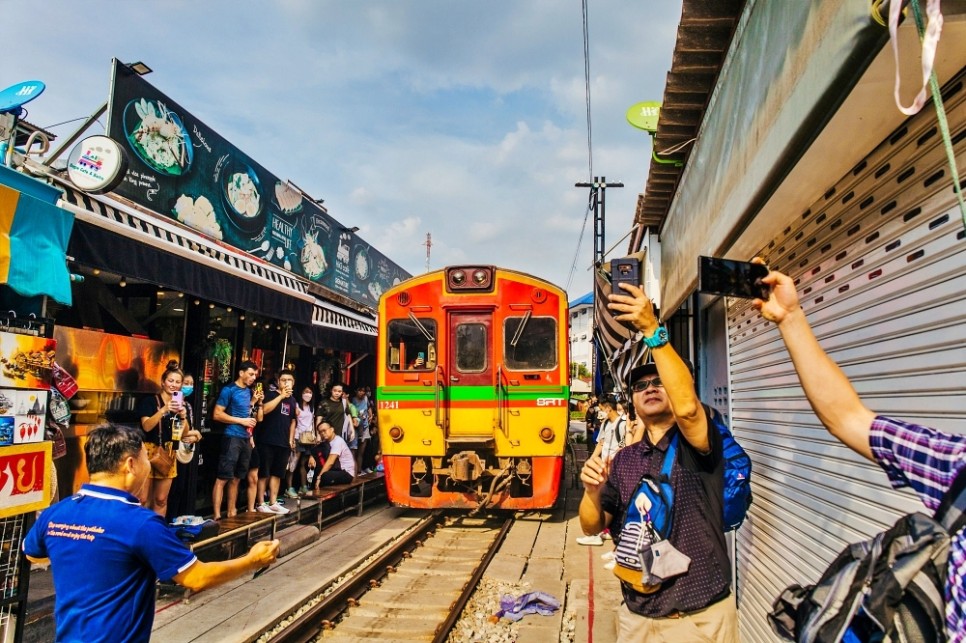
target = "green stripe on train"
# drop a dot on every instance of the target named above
(469, 393)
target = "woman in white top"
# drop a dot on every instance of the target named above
(304, 411)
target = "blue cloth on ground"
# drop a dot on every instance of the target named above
(530, 603)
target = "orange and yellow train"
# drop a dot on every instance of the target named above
(473, 389)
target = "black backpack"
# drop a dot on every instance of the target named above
(890, 586)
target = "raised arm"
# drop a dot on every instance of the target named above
(636, 308)
(828, 390)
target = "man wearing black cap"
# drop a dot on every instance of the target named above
(698, 603)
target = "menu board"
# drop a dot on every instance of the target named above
(182, 169)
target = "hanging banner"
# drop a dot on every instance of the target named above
(24, 478)
(181, 168)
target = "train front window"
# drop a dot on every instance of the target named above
(530, 343)
(471, 348)
(411, 344)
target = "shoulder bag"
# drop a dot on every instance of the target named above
(161, 459)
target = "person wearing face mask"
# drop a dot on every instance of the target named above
(165, 420)
(305, 438)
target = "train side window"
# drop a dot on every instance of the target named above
(471, 348)
(530, 343)
(411, 344)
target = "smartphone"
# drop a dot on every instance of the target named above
(178, 398)
(732, 278)
(626, 270)
(421, 355)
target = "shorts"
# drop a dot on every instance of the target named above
(173, 472)
(354, 444)
(272, 460)
(236, 455)
(363, 433)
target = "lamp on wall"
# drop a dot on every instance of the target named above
(139, 68)
(122, 283)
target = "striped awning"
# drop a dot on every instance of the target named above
(155, 233)
(327, 316)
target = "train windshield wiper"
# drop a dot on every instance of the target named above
(519, 333)
(428, 335)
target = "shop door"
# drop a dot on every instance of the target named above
(470, 372)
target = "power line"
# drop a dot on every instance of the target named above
(590, 153)
(590, 147)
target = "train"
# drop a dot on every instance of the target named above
(472, 391)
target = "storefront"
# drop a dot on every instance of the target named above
(185, 248)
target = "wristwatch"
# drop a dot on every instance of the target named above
(658, 339)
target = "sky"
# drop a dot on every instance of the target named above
(464, 120)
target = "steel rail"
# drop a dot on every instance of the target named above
(322, 615)
(444, 629)
(306, 626)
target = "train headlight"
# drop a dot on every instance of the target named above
(547, 434)
(459, 277)
(479, 277)
(396, 433)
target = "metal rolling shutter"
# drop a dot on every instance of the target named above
(880, 263)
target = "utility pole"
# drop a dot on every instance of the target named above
(428, 244)
(598, 196)
(598, 192)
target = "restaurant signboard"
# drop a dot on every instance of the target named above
(181, 168)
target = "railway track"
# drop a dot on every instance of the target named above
(415, 589)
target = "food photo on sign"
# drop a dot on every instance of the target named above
(181, 168)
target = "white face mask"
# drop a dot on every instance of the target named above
(307, 397)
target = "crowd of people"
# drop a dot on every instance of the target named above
(272, 439)
(275, 441)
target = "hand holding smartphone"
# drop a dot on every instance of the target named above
(177, 398)
(732, 278)
(626, 270)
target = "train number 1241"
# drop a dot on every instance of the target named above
(388, 404)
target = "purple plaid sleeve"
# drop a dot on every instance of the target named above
(928, 461)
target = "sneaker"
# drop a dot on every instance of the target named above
(594, 540)
(303, 491)
(277, 508)
(291, 493)
(606, 534)
(264, 508)
(366, 472)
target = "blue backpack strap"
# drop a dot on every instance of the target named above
(669, 457)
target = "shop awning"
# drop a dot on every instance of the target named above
(114, 237)
(333, 326)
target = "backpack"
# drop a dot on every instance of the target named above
(647, 520)
(888, 588)
(737, 474)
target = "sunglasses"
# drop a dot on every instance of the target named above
(643, 385)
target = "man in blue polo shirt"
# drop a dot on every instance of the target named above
(106, 551)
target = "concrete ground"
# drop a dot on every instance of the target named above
(541, 550)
